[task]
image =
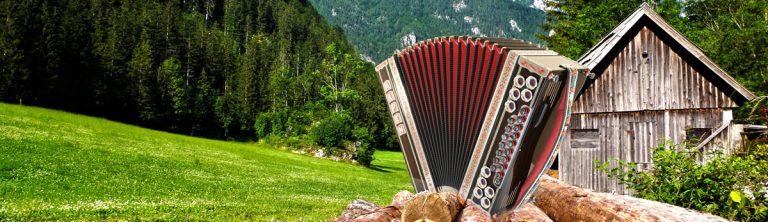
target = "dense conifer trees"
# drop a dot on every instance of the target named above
(203, 67)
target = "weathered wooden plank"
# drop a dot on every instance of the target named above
(613, 139)
(661, 81)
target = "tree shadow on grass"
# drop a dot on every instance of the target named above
(384, 169)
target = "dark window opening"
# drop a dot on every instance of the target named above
(696, 135)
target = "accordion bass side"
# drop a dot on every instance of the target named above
(481, 117)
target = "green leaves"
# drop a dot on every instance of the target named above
(174, 81)
(729, 186)
(735, 196)
(733, 33)
(339, 72)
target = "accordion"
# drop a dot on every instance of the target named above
(481, 117)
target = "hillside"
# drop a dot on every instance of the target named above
(57, 165)
(237, 69)
(378, 28)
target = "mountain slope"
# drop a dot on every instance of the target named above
(378, 28)
(205, 67)
(61, 166)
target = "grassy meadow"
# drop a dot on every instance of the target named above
(56, 165)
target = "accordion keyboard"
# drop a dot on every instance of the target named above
(528, 102)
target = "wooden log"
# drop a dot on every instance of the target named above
(356, 209)
(528, 212)
(436, 207)
(453, 202)
(384, 214)
(473, 213)
(563, 202)
(402, 198)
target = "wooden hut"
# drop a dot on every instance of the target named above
(648, 84)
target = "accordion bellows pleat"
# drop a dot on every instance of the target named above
(481, 117)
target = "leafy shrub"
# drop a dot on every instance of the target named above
(364, 152)
(297, 123)
(262, 124)
(279, 119)
(333, 130)
(757, 148)
(730, 186)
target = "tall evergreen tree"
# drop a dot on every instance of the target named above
(250, 75)
(141, 72)
(13, 70)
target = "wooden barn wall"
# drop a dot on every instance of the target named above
(630, 136)
(660, 81)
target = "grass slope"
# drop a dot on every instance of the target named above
(57, 165)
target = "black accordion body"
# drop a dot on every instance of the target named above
(481, 117)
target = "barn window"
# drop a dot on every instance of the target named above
(697, 134)
(585, 138)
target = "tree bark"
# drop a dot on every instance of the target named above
(528, 212)
(384, 214)
(356, 209)
(563, 202)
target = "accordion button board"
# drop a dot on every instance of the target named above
(481, 117)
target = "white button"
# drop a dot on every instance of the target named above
(519, 81)
(514, 94)
(527, 95)
(478, 193)
(485, 172)
(485, 202)
(531, 82)
(490, 192)
(510, 106)
(482, 183)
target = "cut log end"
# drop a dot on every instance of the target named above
(402, 198)
(473, 213)
(433, 207)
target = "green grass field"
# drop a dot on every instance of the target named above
(56, 165)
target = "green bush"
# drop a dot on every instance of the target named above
(332, 131)
(364, 153)
(297, 123)
(733, 186)
(263, 125)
